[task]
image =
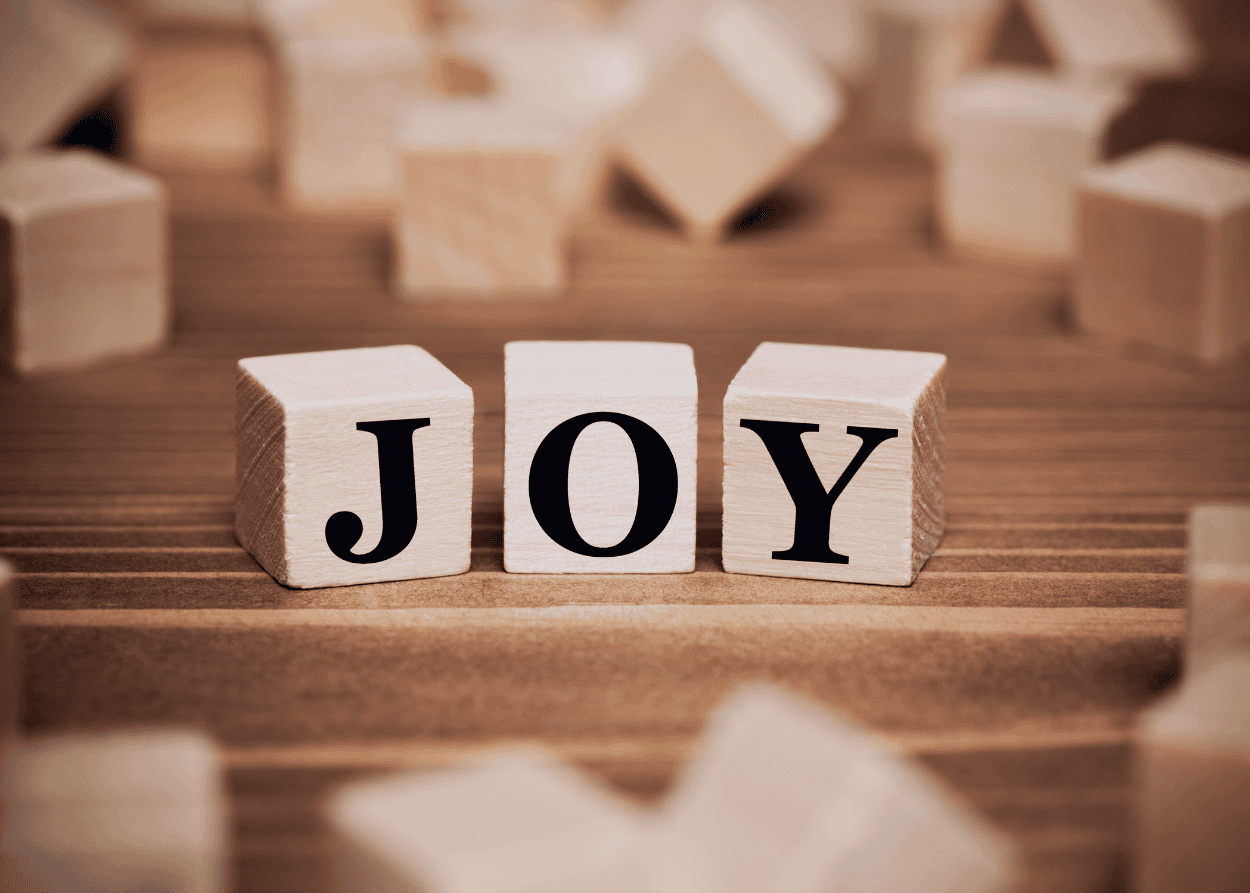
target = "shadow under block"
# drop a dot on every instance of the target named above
(511, 820)
(479, 213)
(1219, 584)
(834, 463)
(83, 260)
(1013, 147)
(599, 457)
(782, 796)
(56, 57)
(129, 810)
(1192, 779)
(735, 102)
(353, 466)
(1165, 251)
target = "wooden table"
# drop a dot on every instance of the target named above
(1052, 611)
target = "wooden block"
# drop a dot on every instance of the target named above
(783, 796)
(507, 821)
(480, 214)
(835, 31)
(1165, 251)
(834, 463)
(1014, 146)
(287, 20)
(1219, 584)
(56, 57)
(1192, 780)
(122, 810)
(599, 457)
(83, 244)
(735, 103)
(343, 444)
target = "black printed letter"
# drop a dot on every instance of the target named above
(812, 505)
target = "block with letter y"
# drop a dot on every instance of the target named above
(834, 463)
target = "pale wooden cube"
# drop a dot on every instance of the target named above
(56, 58)
(834, 463)
(1192, 784)
(353, 466)
(84, 240)
(1165, 251)
(735, 103)
(1014, 145)
(480, 214)
(122, 810)
(511, 821)
(599, 457)
(785, 797)
(1219, 584)
(835, 31)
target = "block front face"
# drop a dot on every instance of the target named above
(599, 461)
(834, 464)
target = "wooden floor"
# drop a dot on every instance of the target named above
(1052, 611)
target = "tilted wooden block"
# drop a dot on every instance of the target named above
(736, 101)
(599, 457)
(836, 32)
(1014, 145)
(353, 466)
(1192, 784)
(1165, 251)
(1219, 584)
(56, 57)
(479, 212)
(511, 821)
(834, 463)
(130, 810)
(82, 240)
(782, 796)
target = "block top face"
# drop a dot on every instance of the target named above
(1210, 710)
(1219, 542)
(38, 183)
(1185, 178)
(1039, 99)
(617, 368)
(362, 375)
(478, 125)
(895, 378)
(1127, 36)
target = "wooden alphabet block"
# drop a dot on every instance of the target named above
(480, 213)
(1192, 784)
(1165, 251)
(1014, 145)
(599, 457)
(82, 240)
(56, 57)
(1219, 584)
(834, 463)
(735, 102)
(132, 810)
(353, 466)
(514, 821)
(785, 797)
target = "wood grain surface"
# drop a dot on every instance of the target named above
(1051, 612)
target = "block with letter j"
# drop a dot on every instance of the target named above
(834, 463)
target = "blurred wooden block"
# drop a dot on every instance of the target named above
(132, 810)
(1219, 584)
(782, 796)
(286, 20)
(56, 58)
(860, 497)
(1014, 145)
(335, 445)
(735, 103)
(1192, 778)
(510, 821)
(518, 17)
(1165, 251)
(230, 13)
(835, 31)
(480, 213)
(83, 243)
(599, 457)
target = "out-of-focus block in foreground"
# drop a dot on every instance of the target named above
(599, 457)
(513, 821)
(1165, 251)
(1219, 584)
(834, 463)
(82, 241)
(353, 466)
